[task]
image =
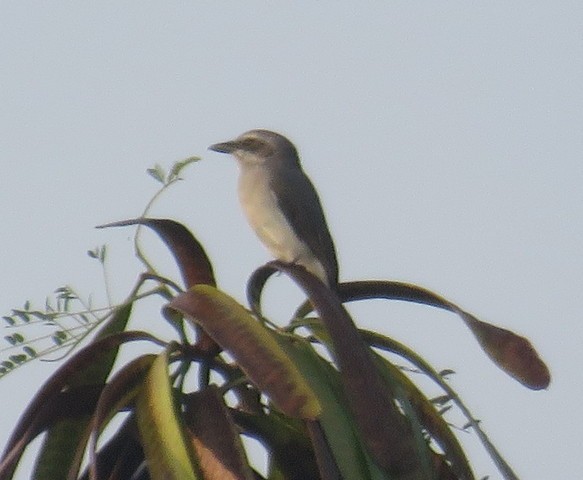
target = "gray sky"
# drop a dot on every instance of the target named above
(444, 139)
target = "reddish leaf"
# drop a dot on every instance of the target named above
(189, 254)
(255, 287)
(383, 428)
(190, 257)
(72, 404)
(253, 347)
(121, 456)
(119, 391)
(511, 352)
(63, 378)
(215, 437)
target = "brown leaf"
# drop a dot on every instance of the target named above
(511, 352)
(191, 258)
(383, 428)
(189, 254)
(215, 437)
(253, 347)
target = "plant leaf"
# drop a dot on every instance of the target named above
(167, 452)
(391, 345)
(255, 286)
(215, 437)
(158, 173)
(408, 393)
(58, 451)
(253, 347)
(290, 453)
(383, 428)
(178, 166)
(336, 418)
(118, 393)
(121, 456)
(65, 377)
(189, 254)
(512, 353)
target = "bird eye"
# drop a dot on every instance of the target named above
(251, 144)
(257, 146)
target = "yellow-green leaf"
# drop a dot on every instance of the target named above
(167, 452)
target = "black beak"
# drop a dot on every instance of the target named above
(225, 147)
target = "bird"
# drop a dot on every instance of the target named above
(281, 203)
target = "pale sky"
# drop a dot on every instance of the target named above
(445, 139)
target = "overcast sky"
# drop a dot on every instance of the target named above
(445, 139)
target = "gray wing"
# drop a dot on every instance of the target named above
(301, 206)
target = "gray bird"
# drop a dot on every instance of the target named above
(281, 203)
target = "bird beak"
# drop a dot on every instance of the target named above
(225, 147)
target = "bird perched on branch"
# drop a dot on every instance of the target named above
(281, 203)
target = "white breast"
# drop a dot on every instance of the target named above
(263, 214)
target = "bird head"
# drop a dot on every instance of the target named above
(258, 147)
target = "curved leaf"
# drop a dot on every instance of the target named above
(255, 286)
(70, 406)
(383, 428)
(408, 393)
(121, 456)
(385, 343)
(57, 455)
(511, 352)
(119, 391)
(167, 452)
(93, 359)
(189, 254)
(253, 347)
(215, 437)
(178, 166)
(336, 418)
(290, 453)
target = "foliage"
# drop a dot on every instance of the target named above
(325, 399)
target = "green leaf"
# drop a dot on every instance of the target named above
(158, 173)
(118, 393)
(336, 417)
(55, 457)
(384, 429)
(19, 358)
(167, 452)
(61, 440)
(63, 434)
(290, 451)
(29, 351)
(23, 315)
(177, 167)
(416, 406)
(385, 343)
